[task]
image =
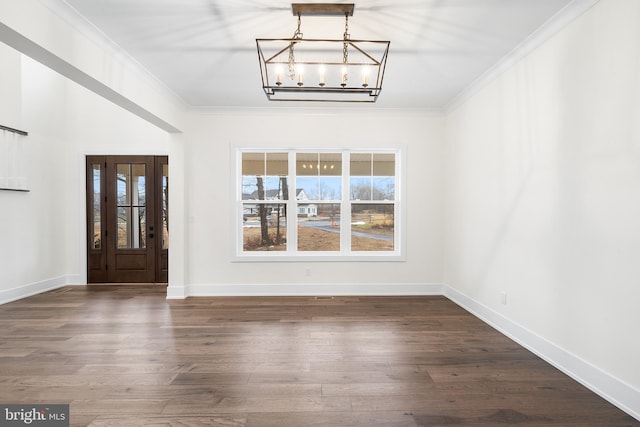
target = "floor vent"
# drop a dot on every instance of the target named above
(327, 298)
(60, 290)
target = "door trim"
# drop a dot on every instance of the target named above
(100, 263)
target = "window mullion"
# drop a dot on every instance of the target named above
(345, 207)
(292, 206)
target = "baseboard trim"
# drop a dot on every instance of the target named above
(19, 292)
(612, 389)
(176, 291)
(315, 289)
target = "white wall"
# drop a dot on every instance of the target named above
(10, 87)
(543, 200)
(11, 146)
(95, 63)
(43, 231)
(211, 136)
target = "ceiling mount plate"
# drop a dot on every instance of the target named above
(323, 9)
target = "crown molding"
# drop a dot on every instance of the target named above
(80, 23)
(312, 110)
(551, 27)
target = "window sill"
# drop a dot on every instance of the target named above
(271, 257)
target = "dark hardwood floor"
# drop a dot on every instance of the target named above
(125, 356)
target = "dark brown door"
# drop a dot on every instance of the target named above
(127, 221)
(162, 219)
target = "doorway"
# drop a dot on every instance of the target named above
(127, 219)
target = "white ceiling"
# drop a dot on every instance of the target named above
(205, 50)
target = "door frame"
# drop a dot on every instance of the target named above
(160, 256)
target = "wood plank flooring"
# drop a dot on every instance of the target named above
(125, 356)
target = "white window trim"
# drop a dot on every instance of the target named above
(345, 254)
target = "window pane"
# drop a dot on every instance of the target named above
(252, 164)
(360, 176)
(264, 188)
(96, 241)
(307, 176)
(264, 176)
(372, 227)
(249, 188)
(360, 188)
(330, 188)
(384, 164)
(330, 181)
(277, 164)
(319, 227)
(277, 169)
(384, 171)
(330, 164)
(165, 206)
(307, 164)
(384, 188)
(307, 188)
(264, 227)
(319, 176)
(275, 187)
(372, 176)
(360, 164)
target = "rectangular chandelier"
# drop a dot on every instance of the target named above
(322, 70)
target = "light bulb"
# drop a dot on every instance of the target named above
(365, 76)
(279, 75)
(300, 70)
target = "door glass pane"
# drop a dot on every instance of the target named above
(123, 182)
(96, 240)
(318, 226)
(131, 197)
(372, 227)
(165, 206)
(124, 215)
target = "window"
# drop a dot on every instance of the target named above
(338, 204)
(12, 159)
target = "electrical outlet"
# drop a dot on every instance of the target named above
(503, 298)
(307, 272)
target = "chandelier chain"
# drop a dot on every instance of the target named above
(297, 35)
(345, 52)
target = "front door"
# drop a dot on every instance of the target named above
(127, 221)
